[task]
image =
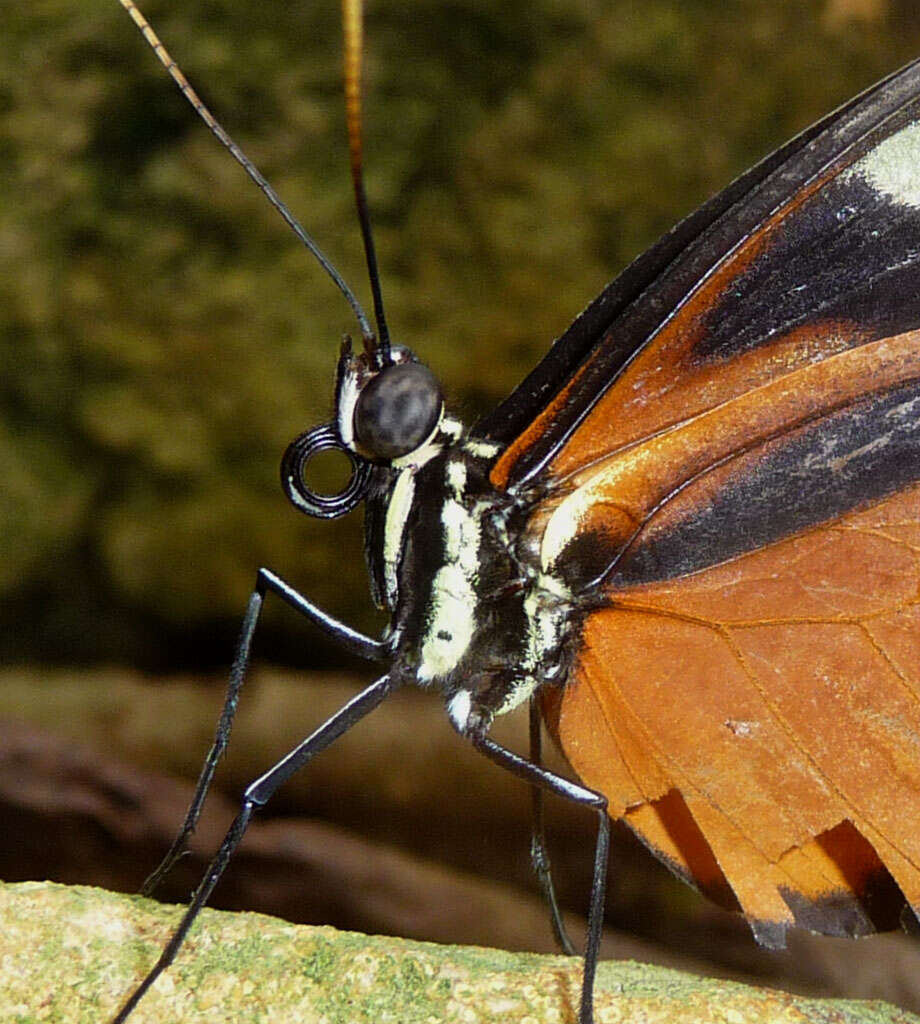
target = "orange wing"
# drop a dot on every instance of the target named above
(758, 723)
(722, 462)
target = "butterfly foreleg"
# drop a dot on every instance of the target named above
(349, 639)
(257, 794)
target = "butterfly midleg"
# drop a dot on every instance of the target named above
(539, 856)
(257, 794)
(553, 783)
(347, 638)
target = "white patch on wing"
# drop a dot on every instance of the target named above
(893, 167)
(561, 528)
(597, 486)
(566, 521)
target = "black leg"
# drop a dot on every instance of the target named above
(348, 638)
(552, 783)
(256, 796)
(539, 856)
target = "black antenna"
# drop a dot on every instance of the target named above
(250, 168)
(352, 25)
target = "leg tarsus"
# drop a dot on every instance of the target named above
(199, 898)
(256, 795)
(595, 916)
(553, 783)
(539, 856)
(221, 738)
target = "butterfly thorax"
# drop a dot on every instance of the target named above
(471, 612)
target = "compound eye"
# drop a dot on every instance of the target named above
(397, 410)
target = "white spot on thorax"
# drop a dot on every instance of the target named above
(546, 609)
(517, 695)
(482, 449)
(893, 167)
(456, 478)
(458, 709)
(451, 428)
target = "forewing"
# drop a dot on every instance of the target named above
(812, 252)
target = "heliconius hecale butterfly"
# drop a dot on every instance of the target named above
(690, 538)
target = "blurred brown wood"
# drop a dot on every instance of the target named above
(72, 814)
(402, 777)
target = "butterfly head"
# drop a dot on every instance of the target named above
(384, 414)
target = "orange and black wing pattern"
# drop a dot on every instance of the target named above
(723, 458)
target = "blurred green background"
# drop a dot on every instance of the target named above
(163, 336)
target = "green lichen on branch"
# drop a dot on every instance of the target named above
(71, 954)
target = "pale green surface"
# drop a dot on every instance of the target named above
(69, 954)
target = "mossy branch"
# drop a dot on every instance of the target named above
(71, 954)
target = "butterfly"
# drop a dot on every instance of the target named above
(689, 539)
